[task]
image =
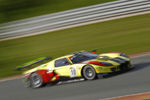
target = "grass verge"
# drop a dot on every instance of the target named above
(128, 35)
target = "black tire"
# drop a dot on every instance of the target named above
(89, 73)
(35, 80)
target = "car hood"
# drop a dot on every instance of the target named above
(115, 60)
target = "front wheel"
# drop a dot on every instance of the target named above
(35, 80)
(88, 72)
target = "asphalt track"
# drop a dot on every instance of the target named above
(134, 81)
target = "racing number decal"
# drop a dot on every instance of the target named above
(73, 72)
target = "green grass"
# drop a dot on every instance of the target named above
(15, 10)
(128, 35)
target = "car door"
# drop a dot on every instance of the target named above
(64, 68)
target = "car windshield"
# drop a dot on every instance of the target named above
(83, 56)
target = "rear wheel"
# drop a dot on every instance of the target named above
(35, 80)
(88, 72)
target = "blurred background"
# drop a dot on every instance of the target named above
(18, 9)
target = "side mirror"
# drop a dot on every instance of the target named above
(94, 51)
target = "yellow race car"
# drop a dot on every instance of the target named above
(87, 65)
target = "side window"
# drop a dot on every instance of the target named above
(61, 62)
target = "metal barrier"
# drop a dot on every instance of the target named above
(51, 22)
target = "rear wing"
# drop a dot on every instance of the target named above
(30, 63)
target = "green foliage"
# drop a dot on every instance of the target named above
(128, 35)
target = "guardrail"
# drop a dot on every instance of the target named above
(51, 22)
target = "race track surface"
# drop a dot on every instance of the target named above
(134, 81)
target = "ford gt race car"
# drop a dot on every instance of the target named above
(87, 65)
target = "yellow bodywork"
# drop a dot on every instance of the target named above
(75, 70)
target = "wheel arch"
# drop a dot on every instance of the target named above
(46, 77)
(83, 68)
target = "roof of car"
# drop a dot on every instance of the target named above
(69, 55)
(66, 56)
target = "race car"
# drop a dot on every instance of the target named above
(83, 64)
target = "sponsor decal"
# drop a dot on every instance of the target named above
(73, 72)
